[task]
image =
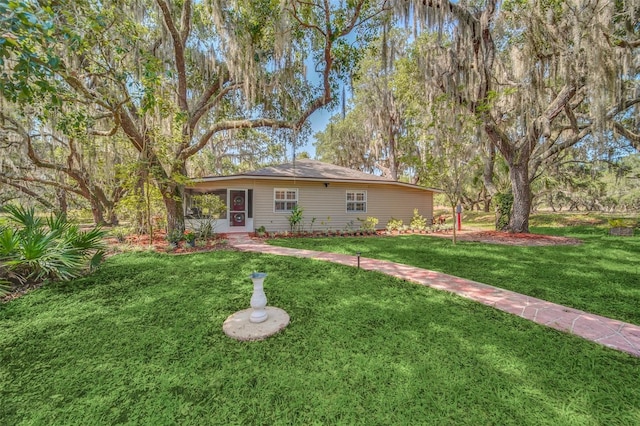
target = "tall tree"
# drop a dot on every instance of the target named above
(372, 135)
(173, 75)
(376, 93)
(67, 160)
(540, 75)
(346, 142)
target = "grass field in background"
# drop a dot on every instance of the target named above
(486, 220)
(141, 341)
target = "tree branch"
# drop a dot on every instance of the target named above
(107, 133)
(178, 48)
(634, 138)
(28, 192)
(50, 183)
(620, 42)
(542, 125)
(185, 22)
(203, 104)
(234, 125)
(294, 14)
(131, 130)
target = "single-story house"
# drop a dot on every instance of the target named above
(332, 197)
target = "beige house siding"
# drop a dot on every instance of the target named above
(328, 203)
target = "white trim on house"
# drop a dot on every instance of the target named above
(355, 201)
(222, 226)
(286, 200)
(304, 179)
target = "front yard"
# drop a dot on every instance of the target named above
(141, 341)
(598, 276)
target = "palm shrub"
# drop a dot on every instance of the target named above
(34, 250)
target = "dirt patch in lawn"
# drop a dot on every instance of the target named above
(507, 238)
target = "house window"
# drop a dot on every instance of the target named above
(284, 199)
(199, 205)
(356, 201)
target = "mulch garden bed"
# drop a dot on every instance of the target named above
(160, 244)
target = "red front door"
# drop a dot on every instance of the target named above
(238, 211)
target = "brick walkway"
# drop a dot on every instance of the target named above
(608, 332)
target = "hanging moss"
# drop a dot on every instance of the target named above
(504, 203)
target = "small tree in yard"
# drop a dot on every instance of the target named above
(448, 130)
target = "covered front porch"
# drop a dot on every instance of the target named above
(234, 212)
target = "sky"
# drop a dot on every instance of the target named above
(318, 121)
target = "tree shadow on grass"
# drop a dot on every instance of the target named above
(134, 343)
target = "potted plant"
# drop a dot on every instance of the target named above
(190, 238)
(620, 227)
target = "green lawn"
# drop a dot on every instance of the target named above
(486, 220)
(600, 276)
(141, 342)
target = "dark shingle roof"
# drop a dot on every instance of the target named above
(313, 169)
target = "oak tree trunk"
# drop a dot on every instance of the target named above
(173, 203)
(521, 188)
(96, 212)
(61, 196)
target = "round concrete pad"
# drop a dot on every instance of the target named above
(238, 326)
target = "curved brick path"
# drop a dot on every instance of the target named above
(609, 332)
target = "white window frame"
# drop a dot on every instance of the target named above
(355, 200)
(284, 200)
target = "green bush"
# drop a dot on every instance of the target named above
(504, 203)
(33, 249)
(418, 222)
(121, 232)
(189, 236)
(174, 236)
(394, 224)
(368, 224)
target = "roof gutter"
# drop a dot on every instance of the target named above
(307, 179)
